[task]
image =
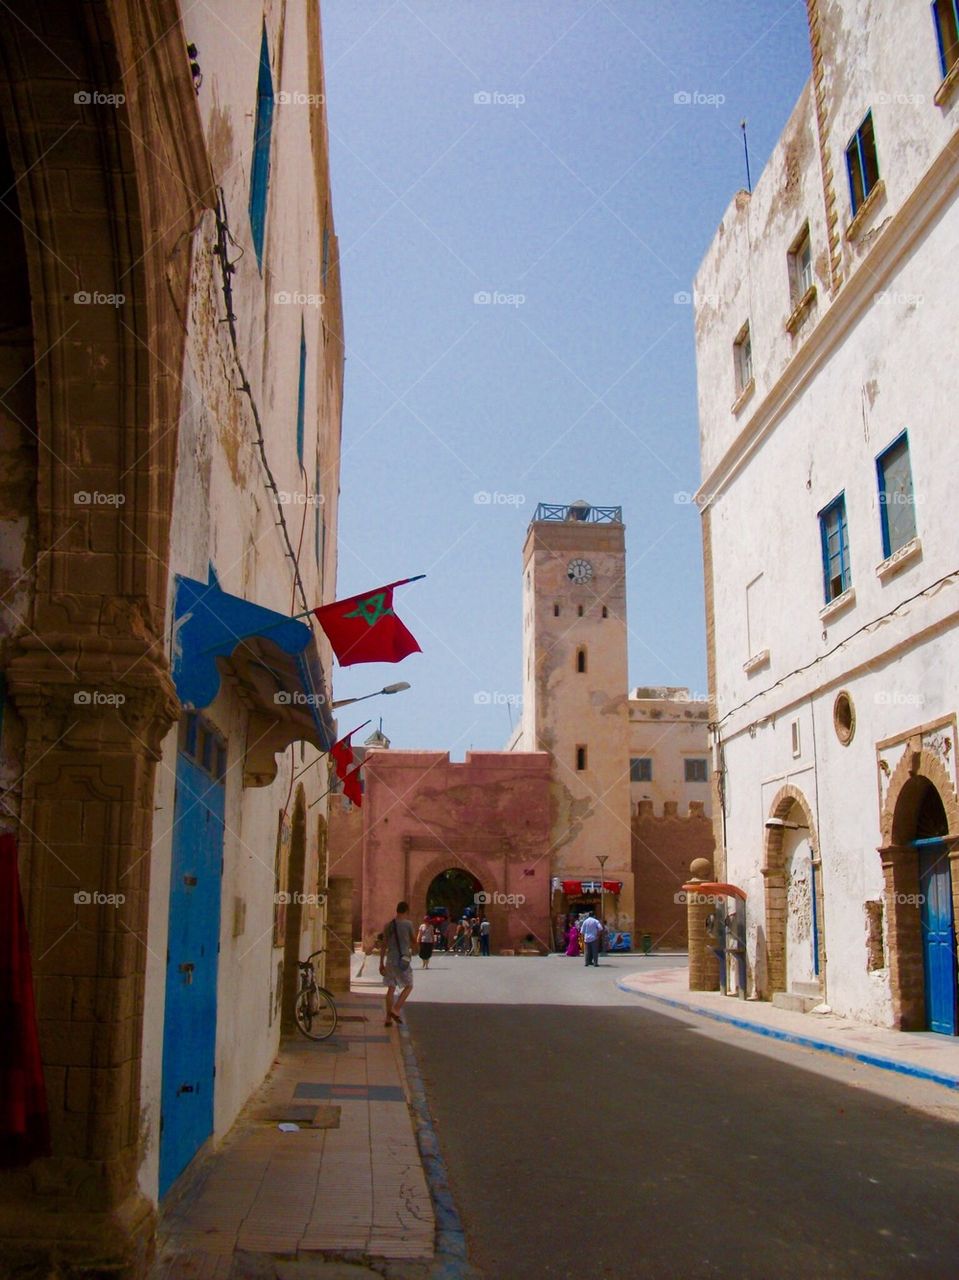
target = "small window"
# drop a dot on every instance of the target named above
(581, 661)
(301, 397)
(262, 135)
(800, 267)
(743, 359)
(695, 770)
(945, 14)
(605, 612)
(862, 163)
(896, 500)
(837, 574)
(796, 740)
(641, 769)
(580, 611)
(555, 610)
(844, 718)
(326, 253)
(318, 538)
(580, 759)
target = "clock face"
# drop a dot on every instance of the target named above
(579, 571)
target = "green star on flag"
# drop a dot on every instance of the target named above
(364, 628)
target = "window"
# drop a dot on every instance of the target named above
(862, 163)
(896, 502)
(555, 610)
(581, 661)
(837, 574)
(262, 133)
(580, 759)
(605, 612)
(800, 267)
(326, 252)
(743, 359)
(301, 397)
(945, 14)
(641, 769)
(580, 611)
(695, 770)
(796, 740)
(318, 532)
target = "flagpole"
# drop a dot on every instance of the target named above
(326, 753)
(389, 587)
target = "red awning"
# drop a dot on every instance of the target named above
(573, 888)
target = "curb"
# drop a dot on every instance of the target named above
(805, 1042)
(451, 1261)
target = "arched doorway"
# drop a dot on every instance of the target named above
(921, 908)
(294, 912)
(795, 907)
(455, 889)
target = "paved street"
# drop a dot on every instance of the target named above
(589, 1134)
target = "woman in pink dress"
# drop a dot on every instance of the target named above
(572, 940)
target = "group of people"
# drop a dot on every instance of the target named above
(469, 936)
(585, 935)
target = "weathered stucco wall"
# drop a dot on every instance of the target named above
(491, 816)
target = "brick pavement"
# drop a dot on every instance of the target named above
(339, 1200)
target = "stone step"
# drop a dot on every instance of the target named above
(795, 1002)
(806, 989)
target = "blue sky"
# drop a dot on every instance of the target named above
(535, 152)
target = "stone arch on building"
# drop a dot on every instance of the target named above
(789, 800)
(108, 192)
(419, 888)
(920, 783)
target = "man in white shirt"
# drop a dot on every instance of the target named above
(592, 931)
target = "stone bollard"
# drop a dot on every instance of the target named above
(703, 963)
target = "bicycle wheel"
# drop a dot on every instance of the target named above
(316, 1013)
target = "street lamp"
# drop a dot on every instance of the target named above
(602, 859)
(390, 688)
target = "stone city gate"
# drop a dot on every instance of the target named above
(105, 193)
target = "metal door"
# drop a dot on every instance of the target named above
(938, 937)
(189, 1028)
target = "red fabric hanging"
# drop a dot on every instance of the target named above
(24, 1121)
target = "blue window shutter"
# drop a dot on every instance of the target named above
(301, 398)
(262, 135)
(939, 40)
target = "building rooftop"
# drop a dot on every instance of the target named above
(578, 511)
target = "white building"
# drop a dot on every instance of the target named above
(824, 315)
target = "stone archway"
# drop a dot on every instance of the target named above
(919, 773)
(788, 801)
(107, 193)
(298, 887)
(454, 888)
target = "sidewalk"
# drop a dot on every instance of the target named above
(348, 1184)
(923, 1055)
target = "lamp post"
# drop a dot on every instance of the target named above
(390, 688)
(602, 859)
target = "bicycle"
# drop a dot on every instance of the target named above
(315, 1008)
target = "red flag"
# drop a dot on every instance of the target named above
(353, 788)
(341, 753)
(365, 628)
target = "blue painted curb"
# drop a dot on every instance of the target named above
(805, 1042)
(450, 1262)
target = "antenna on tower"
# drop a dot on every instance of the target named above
(749, 181)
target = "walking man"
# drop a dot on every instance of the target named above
(484, 936)
(592, 931)
(396, 961)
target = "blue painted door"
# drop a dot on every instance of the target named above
(938, 938)
(189, 1028)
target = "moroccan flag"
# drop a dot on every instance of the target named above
(365, 628)
(341, 753)
(352, 787)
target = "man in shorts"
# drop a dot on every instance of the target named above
(396, 961)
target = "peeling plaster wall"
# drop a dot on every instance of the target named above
(871, 360)
(225, 514)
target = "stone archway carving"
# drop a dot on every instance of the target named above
(918, 769)
(774, 875)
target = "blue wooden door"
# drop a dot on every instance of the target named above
(189, 1028)
(938, 938)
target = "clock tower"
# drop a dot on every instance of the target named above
(575, 696)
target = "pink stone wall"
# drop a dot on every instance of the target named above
(490, 816)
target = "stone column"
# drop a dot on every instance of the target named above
(703, 964)
(339, 933)
(93, 733)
